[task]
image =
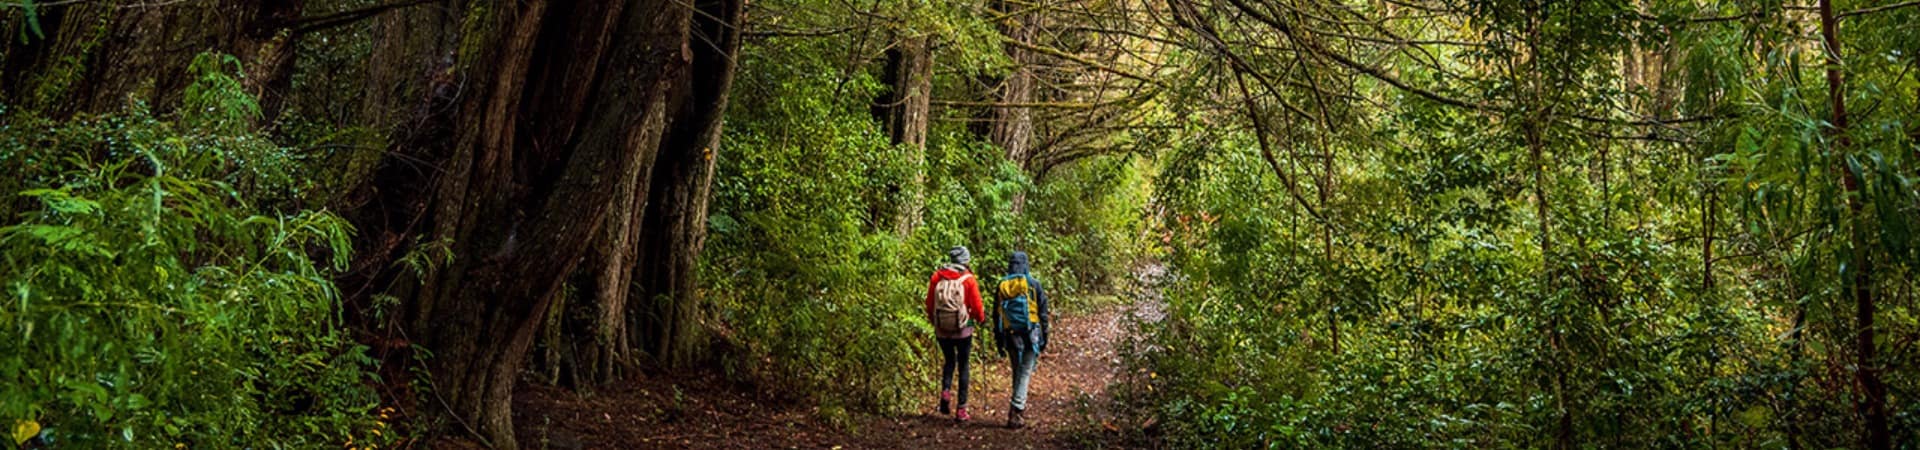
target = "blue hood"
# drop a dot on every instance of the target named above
(1017, 264)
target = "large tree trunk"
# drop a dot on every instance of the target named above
(408, 93)
(478, 314)
(1011, 127)
(675, 224)
(905, 111)
(561, 111)
(607, 341)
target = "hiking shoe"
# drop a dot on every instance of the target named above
(945, 396)
(961, 415)
(1014, 420)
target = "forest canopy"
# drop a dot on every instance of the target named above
(1362, 223)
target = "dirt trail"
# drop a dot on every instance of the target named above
(1064, 407)
(1067, 405)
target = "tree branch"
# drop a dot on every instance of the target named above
(1053, 105)
(1875, 9)
(1050, 51)
(309, 24)
(1343, 60)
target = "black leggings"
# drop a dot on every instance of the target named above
(956, 351)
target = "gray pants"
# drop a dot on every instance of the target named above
(1025, 358)
(1023, 366)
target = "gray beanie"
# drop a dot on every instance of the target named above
(959, 255)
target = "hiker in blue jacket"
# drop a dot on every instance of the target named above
(1020, 324)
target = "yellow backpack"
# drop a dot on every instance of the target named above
(1016, 308)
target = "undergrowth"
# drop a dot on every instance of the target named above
(151, 301)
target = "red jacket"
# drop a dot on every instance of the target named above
(974, 307)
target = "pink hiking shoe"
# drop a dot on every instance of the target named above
(961, 415)
(945, 397)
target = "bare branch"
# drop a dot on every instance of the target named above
(1057, 53)
(310, 24)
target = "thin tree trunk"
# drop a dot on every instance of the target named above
(1326, 239)
(1872, 401)
(1707, 213)
(1563, 433)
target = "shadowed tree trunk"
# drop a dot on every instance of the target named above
(523, 139)
(675, 224)
(547, 119)
(614, 260)
(512, 245)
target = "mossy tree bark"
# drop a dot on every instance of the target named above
(905, 110)
(93, 57)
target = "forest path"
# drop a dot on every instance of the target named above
(1067, 403)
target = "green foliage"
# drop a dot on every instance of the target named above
(30, 13)
(217, 102)
(809, 286)
(150, 302)
(1684, 287)
(1089, 224)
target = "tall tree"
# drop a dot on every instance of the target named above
(513, 130)
(1010, 127)
(905, 111)
(1872, 401)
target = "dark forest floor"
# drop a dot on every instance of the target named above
(1067, 408)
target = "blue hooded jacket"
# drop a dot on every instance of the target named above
(1018, 265)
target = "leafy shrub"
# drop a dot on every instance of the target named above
(1089, 220)
(1447, 334)
(149, 302)
(809, 285)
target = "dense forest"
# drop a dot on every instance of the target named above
(1311, 223)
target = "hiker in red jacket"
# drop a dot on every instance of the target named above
(953, 305)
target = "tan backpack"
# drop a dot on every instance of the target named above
(950, 305)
